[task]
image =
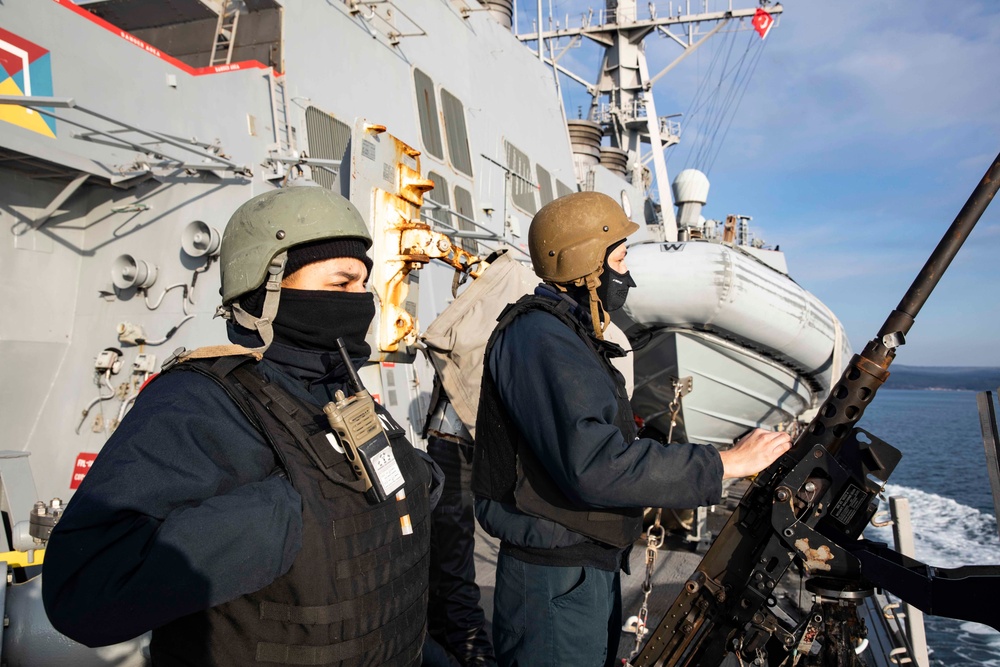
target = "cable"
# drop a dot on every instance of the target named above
(106, 375)
(134, 394)
(722, 108)
(736, 106)
(696, 104)
(160, 300)
(718, 108)
(170, 333)
(718, 104)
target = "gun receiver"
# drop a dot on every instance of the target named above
(816, 497)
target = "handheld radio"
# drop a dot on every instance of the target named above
(366, 446)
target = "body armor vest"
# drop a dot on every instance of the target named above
(506, 470)
(357, 591)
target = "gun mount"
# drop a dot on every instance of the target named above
(810, 508)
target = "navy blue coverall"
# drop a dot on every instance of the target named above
(552, 610)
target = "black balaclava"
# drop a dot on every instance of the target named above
(614, 286)
(315, 319)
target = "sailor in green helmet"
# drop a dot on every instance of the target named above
(222, 513)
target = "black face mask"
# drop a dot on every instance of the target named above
(315, 319)
(613, 289)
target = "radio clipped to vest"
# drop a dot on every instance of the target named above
(359, 429)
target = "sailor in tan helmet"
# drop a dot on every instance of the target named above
(559, 474)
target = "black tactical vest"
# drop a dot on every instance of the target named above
(357, 591)
(505, 469)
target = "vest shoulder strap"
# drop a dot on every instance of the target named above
(182, 354)
(559, 309)
(235, 375)
(217, 370)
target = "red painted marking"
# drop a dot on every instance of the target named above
(388, 364)
(148, 380)
(11, 63)
(83, 462)
(149, 48)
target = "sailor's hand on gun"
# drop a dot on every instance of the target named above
(753, 452)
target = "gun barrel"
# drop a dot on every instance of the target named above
(867, 371)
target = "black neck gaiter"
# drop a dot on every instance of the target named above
(315, 319)
(613, 289)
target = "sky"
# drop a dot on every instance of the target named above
(864, 128)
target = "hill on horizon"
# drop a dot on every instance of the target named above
(967, 378)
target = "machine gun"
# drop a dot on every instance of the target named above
(810, 507)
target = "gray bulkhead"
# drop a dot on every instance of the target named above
(60, 309)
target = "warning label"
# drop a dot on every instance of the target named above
(83, 462)
(851, 500)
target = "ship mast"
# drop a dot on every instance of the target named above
(622, 97)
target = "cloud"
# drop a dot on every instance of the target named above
(866, 125)
(875, 74)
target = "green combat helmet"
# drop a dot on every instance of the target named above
(569, 237)
(258, 236)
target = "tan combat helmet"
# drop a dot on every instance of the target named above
(568, 239)
(256, 241)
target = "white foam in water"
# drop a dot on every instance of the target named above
(979, 644)
(948, 534)
(980, 629)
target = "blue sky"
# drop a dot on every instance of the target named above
(864, 129)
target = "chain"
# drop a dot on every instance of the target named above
(675, 408)
(654, 540)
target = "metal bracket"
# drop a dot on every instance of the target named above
(894, 340)
(213, 160)
(58, 201)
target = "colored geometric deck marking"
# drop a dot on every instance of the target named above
(23, 116)
(25, 70)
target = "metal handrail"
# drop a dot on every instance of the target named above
(39, 104)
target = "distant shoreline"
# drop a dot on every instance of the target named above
(943, 378)
(911, 388)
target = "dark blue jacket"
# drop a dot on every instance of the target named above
(185, 508)
(564, 404)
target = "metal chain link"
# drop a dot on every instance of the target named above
(675, 409)
(655, 535)
(654, 540)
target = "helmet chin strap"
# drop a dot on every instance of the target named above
(263, 324)
(598, 318)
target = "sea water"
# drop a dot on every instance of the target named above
(944, 476)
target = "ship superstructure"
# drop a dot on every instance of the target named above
(131, 129)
